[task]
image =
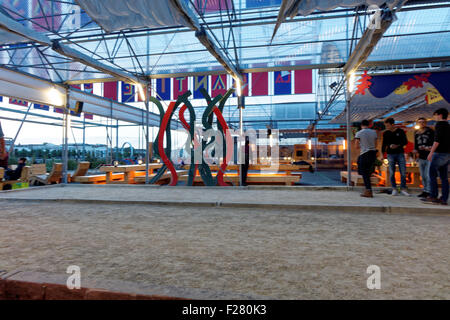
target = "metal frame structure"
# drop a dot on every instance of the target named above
(65, 55)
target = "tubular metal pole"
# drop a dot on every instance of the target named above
(117, 140)
(84, 139)
(147, 151)
(241, 133)
(65, 144)
(349, 160)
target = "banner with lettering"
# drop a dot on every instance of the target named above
(199, 83)
(128, 92)
(218, 84)
(163, 89)
(180, 86)
(282, 82)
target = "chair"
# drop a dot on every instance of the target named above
(54, 176)
(81, 171)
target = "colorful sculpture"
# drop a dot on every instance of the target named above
(207, 122)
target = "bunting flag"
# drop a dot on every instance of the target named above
(128, 92)
(73, 113)
(89, 116)
(163, 89)
(282, 82)
(46, 15)
(41, 107)
(303, 81)
(260, 84)
(76, 86)
(110, 90)
(180, 86)
(1, 98)
(244, 87)
(199, 83)
(213, 5)
(219, 85)
(88, 87)
(262, 3)
(18, 102)
(58, 110)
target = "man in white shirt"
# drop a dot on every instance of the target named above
(366, 141)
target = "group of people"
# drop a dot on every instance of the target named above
(10, 174)
(431, 147)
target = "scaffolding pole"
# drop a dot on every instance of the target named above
(147, 151)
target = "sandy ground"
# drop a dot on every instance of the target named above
(274, 254)
(224, 195)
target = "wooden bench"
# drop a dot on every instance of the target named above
(54, 176)
(253, 179)
(82, 170)
(97, 178)
(357, 179)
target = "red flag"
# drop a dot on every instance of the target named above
(180, 86)
(218, 85)
(303, 81)
(260, 84)
(110, 90)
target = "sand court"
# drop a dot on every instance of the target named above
(247, 252)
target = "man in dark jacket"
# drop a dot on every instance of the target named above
(394, 139)
(423, 140)
(16, 173)
(439, 157)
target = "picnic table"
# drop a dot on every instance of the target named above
(129, 171)
(413, 171)
(287, 168)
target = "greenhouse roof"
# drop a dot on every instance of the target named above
(241, 30)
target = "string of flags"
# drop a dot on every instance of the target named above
(254, 84)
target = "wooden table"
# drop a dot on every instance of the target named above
(413, 171)
(287, 168)
(129, 171)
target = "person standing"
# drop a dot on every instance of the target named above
(423, 140)
(246, 160)
(366, 141)
(439, 157)
(394, 139)
(3, 153)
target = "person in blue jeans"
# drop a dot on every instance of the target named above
(394, 140)
(439, 157)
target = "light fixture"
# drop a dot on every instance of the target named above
(351, 82)
(417, 127)
(309, 144)
(141, 91)
(344, 144)
(140, 161)
(56, 97)
(115, 163)
(238, 86)
(312, 158)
